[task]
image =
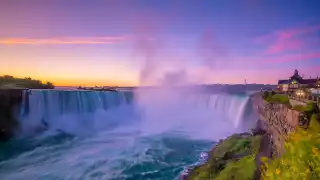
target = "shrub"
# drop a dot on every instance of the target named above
(265, 95)
(312, 107)
(308, 110)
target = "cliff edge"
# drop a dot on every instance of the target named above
(10, 100)
(281, 133)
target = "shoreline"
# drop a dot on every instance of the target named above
(264, 150)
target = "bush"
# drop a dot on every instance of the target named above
(312, 107)
(265, 95)
(308, 110)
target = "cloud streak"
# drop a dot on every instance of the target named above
(245, 62)
(294, 57)
(63, 40)
(288, 39)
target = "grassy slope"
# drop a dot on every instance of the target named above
(302, 157)
(232, 158)
(277, 98)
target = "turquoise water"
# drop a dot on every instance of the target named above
(113, 155)
(117, 136)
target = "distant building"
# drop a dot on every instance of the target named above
(297, 82)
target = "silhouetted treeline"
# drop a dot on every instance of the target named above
(7, 81)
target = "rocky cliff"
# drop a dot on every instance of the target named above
(10, 100)
(279, 121)
(275, 123)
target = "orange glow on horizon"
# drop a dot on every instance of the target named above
(79, 82)
(63, 40)
(91, 83)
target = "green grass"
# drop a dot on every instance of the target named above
(234, 157)
(243, 169)
(314, 123)
(308, 110)
(299, 108)
(277, 98)
(312, 107)
(302, 157)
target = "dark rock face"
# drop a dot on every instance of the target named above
(265, 150)
(279, 121)
(10, 100)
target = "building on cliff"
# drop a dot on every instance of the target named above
(296, 82)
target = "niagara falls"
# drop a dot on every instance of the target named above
(136, 134)
(159, 90)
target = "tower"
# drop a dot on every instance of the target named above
(296, 76)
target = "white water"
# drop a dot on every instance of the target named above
(154, 134)
(210, 116)
(202, 116)
(75, 112)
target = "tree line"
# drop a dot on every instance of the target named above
(8, 81)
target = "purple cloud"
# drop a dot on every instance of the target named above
(288, 39)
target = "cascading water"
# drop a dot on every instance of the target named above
(71, 111)
(148, 134)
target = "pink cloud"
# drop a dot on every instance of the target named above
(253, 62)
(287, 39)
(283, 45)
(63, 40)
(315, 69)
(292, 57)
(289, 33)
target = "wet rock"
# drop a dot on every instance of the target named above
(10, 100)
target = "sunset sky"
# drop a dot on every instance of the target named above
(122, 42)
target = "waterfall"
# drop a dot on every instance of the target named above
(84, 112)
(197, 114)
(235, 107)
(65, 110)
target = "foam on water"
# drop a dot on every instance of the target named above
(75, 112)
(203, 116)
(150, 134)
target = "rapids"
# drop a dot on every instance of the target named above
(141, 134)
